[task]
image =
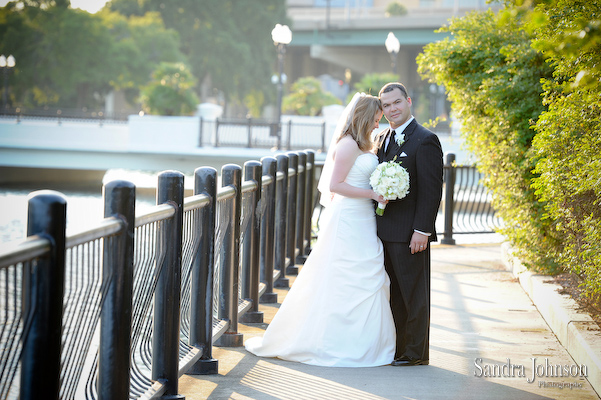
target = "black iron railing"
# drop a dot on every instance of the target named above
(123, 309)
(465, 207)
(466, 204)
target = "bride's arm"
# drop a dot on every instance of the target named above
(347, 152)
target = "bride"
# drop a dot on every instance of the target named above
(337, 313)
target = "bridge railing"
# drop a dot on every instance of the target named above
(127, 307)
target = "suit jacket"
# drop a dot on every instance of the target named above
(421, 156)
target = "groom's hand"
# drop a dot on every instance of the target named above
(419, 242)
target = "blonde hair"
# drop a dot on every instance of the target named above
(362, 122)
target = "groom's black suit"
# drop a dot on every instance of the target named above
(421, 155)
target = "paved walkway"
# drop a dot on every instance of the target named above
(479, 312)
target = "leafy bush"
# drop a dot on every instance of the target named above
(171, 91)
(395, 8)
(492, 76)
(307, 97)
(540, 157)
(568, 141)
(372, 83)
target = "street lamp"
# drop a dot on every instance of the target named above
(6, 63)
(392, 46)
(282, 36)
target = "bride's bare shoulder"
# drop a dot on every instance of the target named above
(346, 148)
(348, 144)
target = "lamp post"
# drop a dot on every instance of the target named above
(392, 46)
(282, 36)
(6, 63)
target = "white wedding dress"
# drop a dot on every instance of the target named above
(337, 313)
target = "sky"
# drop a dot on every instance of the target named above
(90, 6)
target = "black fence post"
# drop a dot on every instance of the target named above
(200, 129)
(118, 277)
(323, 137)
(309, 200)
(292, 206)
(216, 132)
(268, 231)
(281, 217)
(231, 175)
(43, 290)
(251, 249)
(201, 276)
(289, 134)
(165, 335)
(449, 203)
(250, 133)
(300, 206)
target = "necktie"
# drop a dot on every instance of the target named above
(390, 141)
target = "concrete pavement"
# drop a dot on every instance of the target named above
(486, 334)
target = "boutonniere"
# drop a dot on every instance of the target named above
(399, 139)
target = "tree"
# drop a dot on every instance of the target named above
(307, 97)
(227, 42)
(61, 54)
(83, 56)
(141, 43)
(372, 83)
(171, 91)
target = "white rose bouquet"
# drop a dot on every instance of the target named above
(391, 181)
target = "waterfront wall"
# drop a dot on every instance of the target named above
(53, 150)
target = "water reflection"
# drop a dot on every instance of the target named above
(84, 201)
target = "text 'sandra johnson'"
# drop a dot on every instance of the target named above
(540, 370)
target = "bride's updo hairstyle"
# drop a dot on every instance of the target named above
(362, 121)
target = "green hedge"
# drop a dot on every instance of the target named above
(526, 84)
(567, 146)
(492, 77)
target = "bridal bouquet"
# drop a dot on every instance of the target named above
(391, 181)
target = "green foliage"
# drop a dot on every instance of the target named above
(395, 9)
(568, 142)
(307, 97)
(372, 83)
(61, 55)
(171, 91)
(227, 42)
(254, 102)
(526, 84)
(492, 76)
(83, 56)
(140, 44)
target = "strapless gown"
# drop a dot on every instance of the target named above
(337, 312)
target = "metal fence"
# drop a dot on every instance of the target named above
(466, 204)
(127, 307)
(219, 132)
(251, 133)
(64, 114)
(465, 207)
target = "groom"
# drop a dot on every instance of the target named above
(407, 226)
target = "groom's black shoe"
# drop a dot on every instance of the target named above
(405, 361)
